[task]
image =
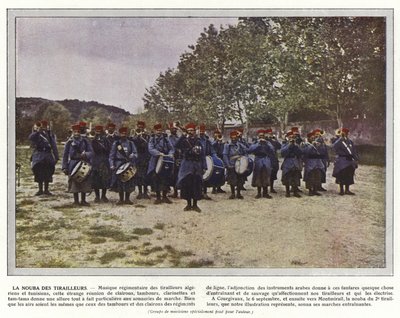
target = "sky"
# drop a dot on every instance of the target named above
(108, 60)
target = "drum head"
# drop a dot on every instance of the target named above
(241, 164)
(159, 164)
(76, 168)
(210, 167)
(122, 168)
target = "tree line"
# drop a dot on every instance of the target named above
(275, 69)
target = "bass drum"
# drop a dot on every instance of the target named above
(81, 171)
(244, 166)
(126, 172)
(165, 166)
(215, 173)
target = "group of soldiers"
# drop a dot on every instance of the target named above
(188, 161)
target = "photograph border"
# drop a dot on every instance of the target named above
(13, 14)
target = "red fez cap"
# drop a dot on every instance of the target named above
(260, 131)
(190, 126)
(141, 123)
(44, 123)
(345, 130)
(240, 129)
(295, 129)
(76, 127)
(82, 124)
(310, 134)
(98, 128)
(268, 131)
(202, 127)
(123, 130)
(317, 131)
(157, 126)
(289, 133)
(111, 125)
(233, 133)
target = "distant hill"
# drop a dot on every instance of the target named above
(30, 106)
(30, 109)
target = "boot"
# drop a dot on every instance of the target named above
(97, 194)
(140, 194)
(265, 193)
(258, 196)
(76, 199)
(296, 193)
(165, 198)
(121, 198)
(83, 199)
(347, 191)
(175, 194)
(103, 196)
(195, 207)
(46, 188)
(188, 207)
(272, 190)
(232, 196)
(145, 193)
(158, 198)
(40, 192)
(341, 192)
(287, 191)
(315, 191)
(238, 195)
(127, 200)
(219, 190)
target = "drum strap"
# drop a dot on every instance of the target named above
(165, 148)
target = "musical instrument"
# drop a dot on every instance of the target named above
(81, 171)
(244, 165)
(126, 172)
(215, 173)
(165, 166)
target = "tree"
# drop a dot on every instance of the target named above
(60, 118)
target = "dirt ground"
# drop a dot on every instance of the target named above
(329, 231)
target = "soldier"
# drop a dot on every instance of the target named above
(44, 156)
(323, 150)
(78, 150)
(345, 162)
(232, 151)
(313, 165)
(292, 164)
(208, 151)
(274, 160)
(298, 141)
(190, 177)
(243, 141)
(122, 151)
(83, 129)
(141, 140)
(111, 134)
(218, 145)
(159, 145)
(263, 151)
(173, 139)
(101, 173)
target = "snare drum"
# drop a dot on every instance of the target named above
(165, 166)
(81, 171)
(215, 173)
(126, 172)
(244, 166)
